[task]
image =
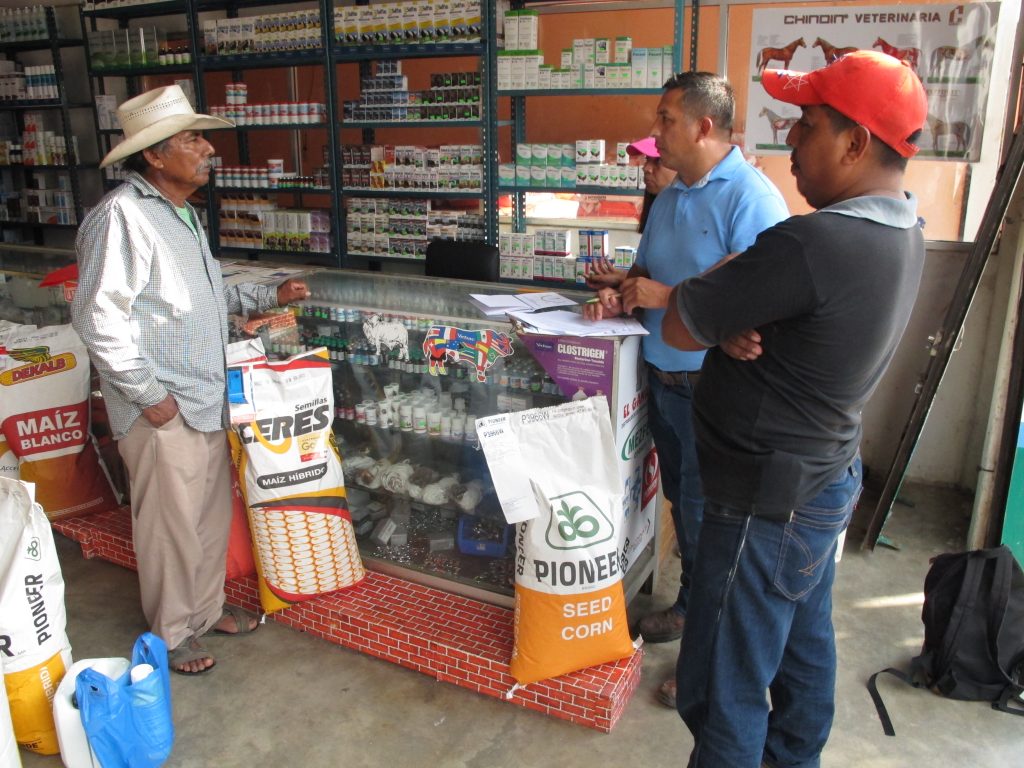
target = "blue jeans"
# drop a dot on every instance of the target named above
(670, 417)
(760, 619)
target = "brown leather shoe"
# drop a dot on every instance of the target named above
(667, 693)
(661, 626)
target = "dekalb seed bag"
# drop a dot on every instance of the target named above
(8, 461)
(44, 419)
(292, 479)
(556, 476)
(32, 620)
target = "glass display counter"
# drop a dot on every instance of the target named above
(415, 363)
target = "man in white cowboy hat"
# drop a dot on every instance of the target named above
(152, 310)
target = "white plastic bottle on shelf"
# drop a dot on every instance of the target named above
(38, 22)
(580, 394)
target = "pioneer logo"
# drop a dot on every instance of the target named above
(577, 522)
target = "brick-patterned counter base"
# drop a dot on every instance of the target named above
(106, 535)
(452, 638)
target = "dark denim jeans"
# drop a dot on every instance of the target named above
(760, 620)
(670, 416)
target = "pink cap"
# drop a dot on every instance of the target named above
(643, 147)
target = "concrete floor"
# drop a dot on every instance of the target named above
(282, 698)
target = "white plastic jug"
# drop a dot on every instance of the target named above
(9, 756)
(75, 751)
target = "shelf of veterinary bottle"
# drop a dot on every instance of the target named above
(580, 189)
(274, 190)
(137, 10)
(432, 193)
(280, 126)
(311, 57)
(544, 283)
(386, 257)
(35, 224)
(43, 104)
(211, 5)
(141, 71)
(49, 167)
(382, 124)
(582, 92)
(230, 249)
(43, 44)
(344, 53)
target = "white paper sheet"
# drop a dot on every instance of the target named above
(495, 305)
(561, 322)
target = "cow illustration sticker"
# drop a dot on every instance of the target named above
(480, 349)
(388, 335)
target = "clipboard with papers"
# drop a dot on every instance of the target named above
(567, 323)
(500, 304)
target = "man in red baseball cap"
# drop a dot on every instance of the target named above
(820, 302)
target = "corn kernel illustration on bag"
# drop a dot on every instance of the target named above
(555, 473)
(292, 480)
(33, 640)
(44, 419)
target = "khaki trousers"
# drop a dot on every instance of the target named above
(181, 513)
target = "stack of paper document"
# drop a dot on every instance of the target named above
(561, 322)
(496, 305)
(233, 274)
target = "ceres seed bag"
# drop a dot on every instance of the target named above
(557, 479)
(44, 419)
(292, 480)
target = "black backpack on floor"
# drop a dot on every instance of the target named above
(973, 632)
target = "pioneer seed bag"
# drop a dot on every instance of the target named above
(32, 620)
(293, 483)
(565, 496)
(44, 419)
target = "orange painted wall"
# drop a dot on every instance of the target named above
(939, 186)
(613, 118)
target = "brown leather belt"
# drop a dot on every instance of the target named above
(674, 378)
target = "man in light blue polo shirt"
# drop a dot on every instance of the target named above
(716, 208)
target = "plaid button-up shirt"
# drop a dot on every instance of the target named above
(152, 310)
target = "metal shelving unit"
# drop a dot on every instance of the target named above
(329, 55)
(132, 75)
(579, 189)
(429, 193)
(56, 45)
(244, 61)
(363, 55)
(519, 98)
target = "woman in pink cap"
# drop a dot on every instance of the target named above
(656, 178)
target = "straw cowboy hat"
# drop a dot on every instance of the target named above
(155, 115)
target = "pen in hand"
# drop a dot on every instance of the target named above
(596, 299)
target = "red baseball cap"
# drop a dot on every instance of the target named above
(874, 89)
(643, 147)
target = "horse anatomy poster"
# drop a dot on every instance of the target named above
(950, 48)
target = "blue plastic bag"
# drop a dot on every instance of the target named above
(128, 724)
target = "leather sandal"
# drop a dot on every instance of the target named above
(242, 618)
(189, 651)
